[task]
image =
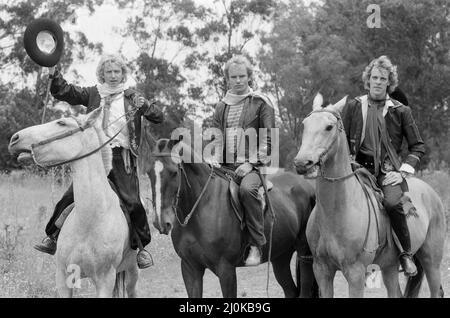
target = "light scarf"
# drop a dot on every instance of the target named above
(106, 90)
(233, 99)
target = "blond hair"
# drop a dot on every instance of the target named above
(111, 58)
(239, 59)
(383, 62)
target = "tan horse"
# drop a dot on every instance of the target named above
(94, 241)
(345, 232)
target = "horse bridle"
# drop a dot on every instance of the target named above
(81, 128)
(340, 128)
(182, 173)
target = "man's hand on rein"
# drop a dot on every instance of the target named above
(244, 169)
(393, 178)
(138, 100)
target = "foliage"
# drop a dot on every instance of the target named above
(22, 107)
(325, 47)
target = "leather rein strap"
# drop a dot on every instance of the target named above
(181, 174)
(340, 126)
(71, 132)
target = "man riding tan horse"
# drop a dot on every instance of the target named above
(117, 102)
(347, 230)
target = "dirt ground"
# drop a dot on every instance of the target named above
(27, 203)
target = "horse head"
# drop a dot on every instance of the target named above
(58, 141)
(321, 129)
(161, 165)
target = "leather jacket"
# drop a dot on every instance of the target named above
(90, 97)
(399, 124)
(256, 114)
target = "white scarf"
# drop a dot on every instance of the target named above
(233, 99)
(106, 90)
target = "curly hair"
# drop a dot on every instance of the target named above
(239, 59)
(383, 62)
(111, 58)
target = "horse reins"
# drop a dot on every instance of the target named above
(181, 174)
(71, 132)
(340, 127)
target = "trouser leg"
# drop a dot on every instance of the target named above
(248, 193)
(66, 200)
(127, 188)
(394, 208)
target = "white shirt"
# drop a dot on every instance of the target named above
(116, 121)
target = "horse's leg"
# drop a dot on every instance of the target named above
(324, 274)
(356, 279)
(105, 284)
(193, 278)
(282, 270)
(64, 291)
(431, 267)
(228, 280)
(390, 280)
(131, 278)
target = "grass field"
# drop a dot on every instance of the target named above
(26, 203)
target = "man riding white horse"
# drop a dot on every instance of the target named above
(375, 126)
(117, 102)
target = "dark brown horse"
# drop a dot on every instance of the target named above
(212, 237)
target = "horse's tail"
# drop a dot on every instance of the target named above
(119, 290)
(415, 282)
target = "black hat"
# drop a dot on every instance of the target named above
(400, 96)
(36, 34)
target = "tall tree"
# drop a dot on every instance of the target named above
(22, 106)
(325, 47)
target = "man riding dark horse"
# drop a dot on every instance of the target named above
(117, 102)
(375, 126)
(242, 109)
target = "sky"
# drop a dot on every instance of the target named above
(104, 26)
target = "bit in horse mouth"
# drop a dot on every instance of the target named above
(25, 156)
(313, 171)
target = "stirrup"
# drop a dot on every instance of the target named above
(144, 259)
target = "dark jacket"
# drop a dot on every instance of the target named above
(90, 97)
(256, 114)
(399, 124)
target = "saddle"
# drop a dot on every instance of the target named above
(368, 181)
(65, 213)
(234, 184)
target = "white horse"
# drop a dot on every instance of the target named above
(94, 241)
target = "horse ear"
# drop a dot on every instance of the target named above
(93, 116)
(339, 106)
(318, 101)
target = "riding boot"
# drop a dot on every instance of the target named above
(48, 244)
(399, 224)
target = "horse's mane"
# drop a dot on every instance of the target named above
(165, 145)
(105, 151)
